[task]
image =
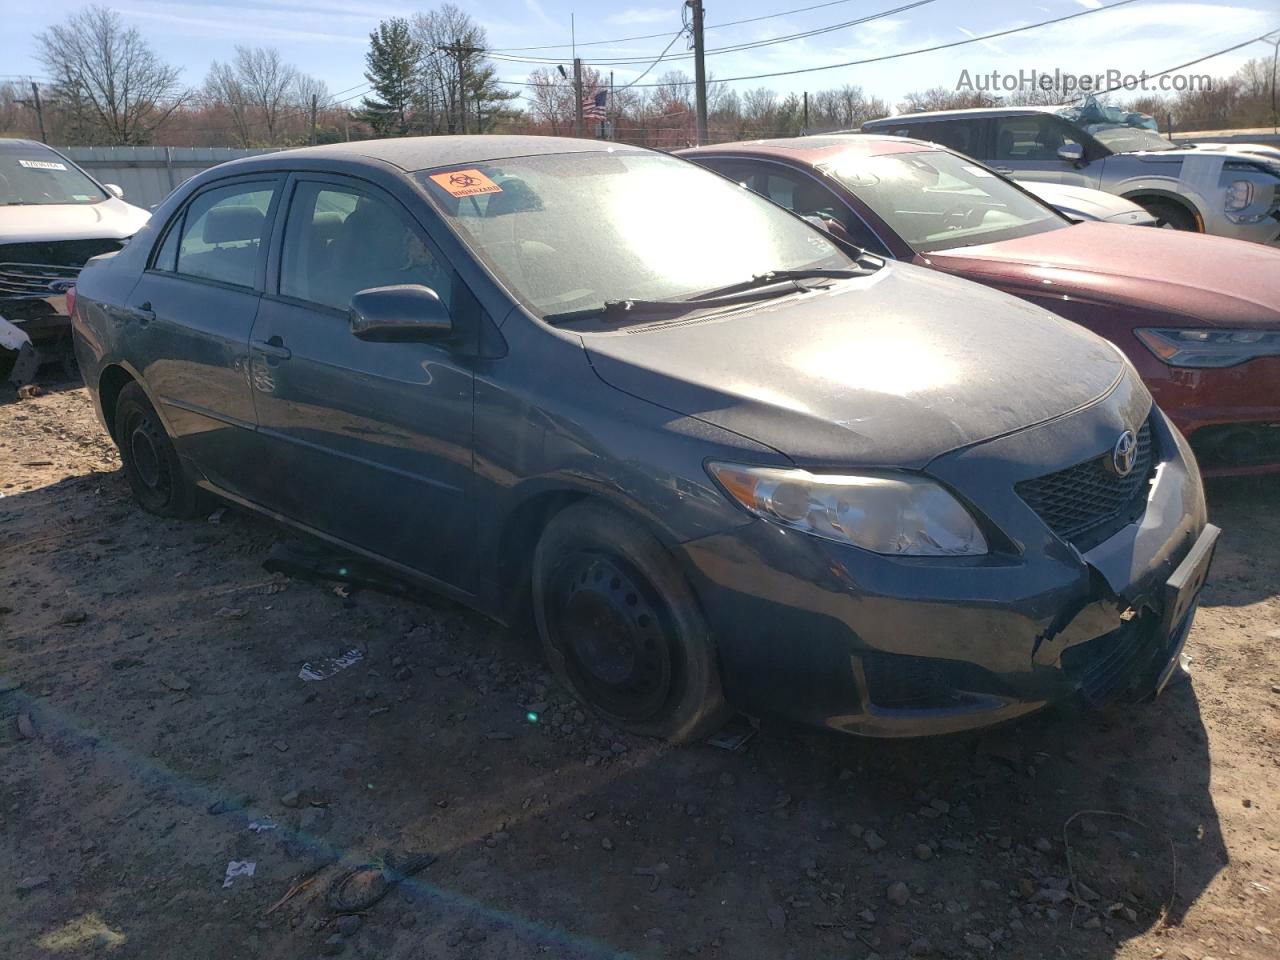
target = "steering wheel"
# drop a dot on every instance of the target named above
(961, 217)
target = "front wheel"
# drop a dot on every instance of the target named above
(621, 629)
(151, 464)
(1170, 214)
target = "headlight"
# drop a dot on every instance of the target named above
(1239, 195)
(900, 514)
(1208, 346)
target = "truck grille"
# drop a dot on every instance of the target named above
(27, 269)
(1088, 502)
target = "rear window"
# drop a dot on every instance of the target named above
(35, 177)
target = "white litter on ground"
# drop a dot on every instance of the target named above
(326, 668)
(238, 868)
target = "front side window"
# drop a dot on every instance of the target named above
(41, 177)
(569, 232)
(1031, 139)
(339, 241)
(935, 200)
(223, 232)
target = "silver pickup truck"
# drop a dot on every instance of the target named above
(1232, 190)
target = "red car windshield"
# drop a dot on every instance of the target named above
(936, 200)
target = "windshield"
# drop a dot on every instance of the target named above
(936, 200)
(570, 232)
(43, 177)
(1120, 131)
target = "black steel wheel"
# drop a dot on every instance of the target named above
(621, 628)
(151, 464)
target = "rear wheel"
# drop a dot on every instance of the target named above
(1170, 214)
(151, 463)
(621, 628)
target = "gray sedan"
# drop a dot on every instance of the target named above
(716, 456)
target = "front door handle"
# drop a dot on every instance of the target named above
(273, 348)
(143, 313)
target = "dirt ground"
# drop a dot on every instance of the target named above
(151, 710)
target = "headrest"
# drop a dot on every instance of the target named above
(233, 223)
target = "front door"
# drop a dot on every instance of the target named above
(1026, 148)
(189, 318)
(370, 443)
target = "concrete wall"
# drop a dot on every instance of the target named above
(148, 174)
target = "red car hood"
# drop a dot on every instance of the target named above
(1204, 279)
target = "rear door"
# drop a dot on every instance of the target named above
(189, 319)
(366, 442)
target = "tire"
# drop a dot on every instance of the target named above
(1170, 214)
(621, 628)
(156, 475)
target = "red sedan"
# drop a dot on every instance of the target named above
(1199, 316)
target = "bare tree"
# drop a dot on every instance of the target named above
(223, 90)
(107, 79)
(944, 98)
(260, 92)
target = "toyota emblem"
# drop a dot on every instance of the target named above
(1124, 453)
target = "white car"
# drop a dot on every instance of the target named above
(53, 218)
(1085, 203)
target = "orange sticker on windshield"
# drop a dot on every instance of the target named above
(466, 183)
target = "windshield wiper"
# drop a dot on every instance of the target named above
(738, 293)
(771, 277)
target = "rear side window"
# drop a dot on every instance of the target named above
(222, 234)
(339, 241)
(1031, 138)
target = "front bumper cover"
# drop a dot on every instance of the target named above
(833, 636)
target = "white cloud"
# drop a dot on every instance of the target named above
(636, 15)
(1090, 4)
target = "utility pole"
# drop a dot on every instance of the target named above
(610, 114)
(804, 127)
(35, 92)
(577, 97)
(313, 119)
(699, 69)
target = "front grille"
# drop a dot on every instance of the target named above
(1106, 668)
(1088, 502)
(23, 280)
(27, 269)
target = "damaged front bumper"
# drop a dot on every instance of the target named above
(19, 359)
(833, 636)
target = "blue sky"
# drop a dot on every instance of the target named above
(327, 38)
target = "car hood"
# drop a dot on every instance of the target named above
(891, 369)
(1188, 276)
(1241, 150)
(1084, 203)
(111, 219)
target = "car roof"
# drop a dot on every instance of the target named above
(959, 114)
(815, 149)
(14, 143)
(420, 153)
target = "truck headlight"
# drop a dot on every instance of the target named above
(896, 514)
(1239, 195)
(1209, 346)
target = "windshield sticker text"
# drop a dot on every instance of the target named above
(42, 165)
(465, 183)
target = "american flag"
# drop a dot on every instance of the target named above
(593, 106)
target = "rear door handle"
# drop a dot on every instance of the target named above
(143, 314)
(273, 348)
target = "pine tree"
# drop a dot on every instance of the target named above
(393, 62)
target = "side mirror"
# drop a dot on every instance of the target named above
(1071, 152)
(403, 313)
(115, 190)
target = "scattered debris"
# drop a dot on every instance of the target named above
(175, 683)
(262, 826)
(733, 735)
(874, 841)
(295, 888)
(326, 668)
(27, 884)
(898, 893)
(217, 515)
(654, 873)
(229, 613)
(26, 727)
(361, 887)
(29, 391)
(238, 868)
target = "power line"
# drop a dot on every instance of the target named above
(655, 36)
(732, 48)
(888, 56)
(1181, 66)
